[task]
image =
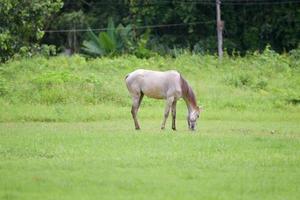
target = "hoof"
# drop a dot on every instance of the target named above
(174, 129)
(137, 128)
(162, 128)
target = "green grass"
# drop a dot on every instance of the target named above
(100, 112)
(66, 130)
(109, 160)
(264, 83)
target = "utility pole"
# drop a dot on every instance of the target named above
(220, 25)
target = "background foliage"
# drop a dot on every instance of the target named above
(249, 26)
(22, 23)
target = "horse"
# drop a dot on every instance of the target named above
(169, 85)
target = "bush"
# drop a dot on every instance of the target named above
(21, 26)
(295, 58)
(3, 87)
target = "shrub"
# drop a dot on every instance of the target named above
(295, 58)
(3, 87)
(113, 41)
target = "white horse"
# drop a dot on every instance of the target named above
(169, 85)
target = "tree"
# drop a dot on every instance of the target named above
(22, 23)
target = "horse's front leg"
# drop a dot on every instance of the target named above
(174, 115)
(167, 110)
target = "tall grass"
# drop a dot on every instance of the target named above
(266, 82)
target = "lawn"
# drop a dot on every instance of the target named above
(108, 159)
(66, 130)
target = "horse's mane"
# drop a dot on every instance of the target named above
(187, 92)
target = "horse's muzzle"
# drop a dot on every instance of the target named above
(192, 127)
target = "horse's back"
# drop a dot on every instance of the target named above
(145, 76)
(155, 84)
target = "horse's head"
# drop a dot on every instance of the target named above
(193, 116)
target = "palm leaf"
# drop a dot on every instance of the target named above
(93, 45)
(111, 30)
(114, 40)
(92, 48)
(108, 44)
(92, 36)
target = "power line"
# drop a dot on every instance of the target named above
(260, 2)
(137, 27)
(202, 2)
(144, 4)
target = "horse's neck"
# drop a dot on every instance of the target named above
(190, 99)
(189, 106)
(188, 95)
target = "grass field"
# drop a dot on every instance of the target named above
(109, 160)
(66, 130)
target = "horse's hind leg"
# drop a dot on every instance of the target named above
(136, 102)
(167, 110)
(174, 115)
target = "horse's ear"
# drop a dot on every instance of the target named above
(200, 108)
